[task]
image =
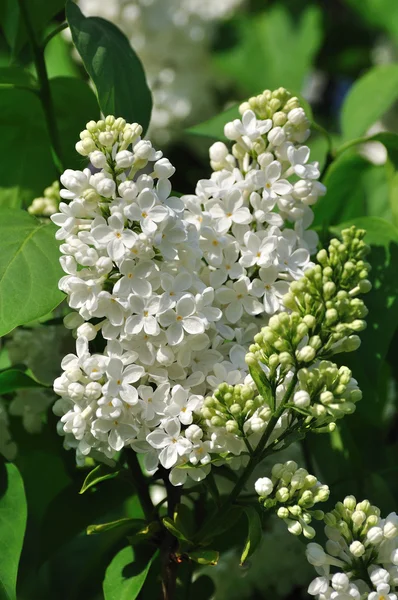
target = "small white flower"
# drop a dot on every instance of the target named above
(181, 319)
(170, 442)
(237, 297)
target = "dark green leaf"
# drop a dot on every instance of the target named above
(145, 534)
(183, 519)
(224, 522)
(12, 380)
(13, 513)
(204, 557)
(75, 104)
(355, 187)
(254, 534)
(27, 168)
(80, 511)
(368, 99)
(125, 522)
(113, 66)
(29, 269)
(126, 574)
(40, 14)
(171, 526)
(17, 76)
(26, 165)
(98, 474)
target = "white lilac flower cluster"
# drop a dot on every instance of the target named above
(157, 330)
(360, 559)
(293, 492)
(242, 210)
(173, 39)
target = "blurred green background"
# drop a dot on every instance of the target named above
(325, 51)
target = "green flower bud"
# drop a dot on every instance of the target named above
(282, 495)
(306, 354)
(283, 512)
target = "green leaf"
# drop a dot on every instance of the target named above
(98, 474)
(355, 187)
(227, 520)
(113, 66)
(368, 99)
(13, 512)
(214, 128)
(260, 39)
(112, 500)
(59, 59)
(17, 76)
(183, 520)
(171, 526)
(29, 269)
(125, 522)
(13, 379)
(126, 574)
(262, 383)
(204, 557)
(40, 13)
(27, 167)
(254, 535)
(145, 534)
(75, 104)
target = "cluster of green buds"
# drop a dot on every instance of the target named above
(286, 341)
(325, 310)
(102, 135)
(329, 292)
(348, 526)
(46, 205)
(231, 407)
(357, 538)
(293, 493)
(273, 105)
(326, 392)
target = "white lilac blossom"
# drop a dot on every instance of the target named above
(173, 40)
(253, 212)
(153, 313)
(360, 557)
(132, 262)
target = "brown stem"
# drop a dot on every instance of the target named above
(169, 564)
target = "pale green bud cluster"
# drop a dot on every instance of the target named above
(352, 521)
(293, 494)
(279, 344)
(46, 205)
(231, 406)
(273, 105)
(330, 391)
(329, 292)
(102, 135)
(326, 314)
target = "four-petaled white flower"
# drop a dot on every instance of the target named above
(170, 442)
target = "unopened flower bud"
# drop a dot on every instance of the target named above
(263, 486)
(357, 549)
